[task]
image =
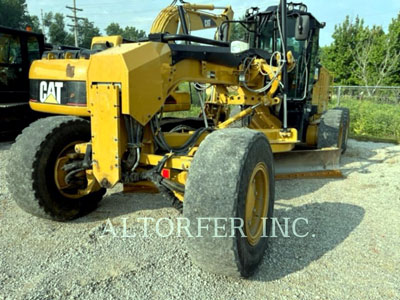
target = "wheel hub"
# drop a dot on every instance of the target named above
(257, 200)
(65, 188)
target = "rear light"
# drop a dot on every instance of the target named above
(166, 173)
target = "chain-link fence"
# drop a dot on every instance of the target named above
(374, 111)
(382, 94)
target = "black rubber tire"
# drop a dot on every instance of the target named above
(329, 129)
(30, 171)
(216, 188)
(346, 126)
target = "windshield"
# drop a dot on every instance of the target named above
(270, 41)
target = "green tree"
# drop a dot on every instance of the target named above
(394, 41)
(372, 58)
(60, 36)
(86, 31)
(360, 55)
(34, 22)
(338, 57)
(114, 29)
(129, 33)
(13, 13)
(133, 34)
(56, 29)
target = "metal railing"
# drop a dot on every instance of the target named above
(384, 94)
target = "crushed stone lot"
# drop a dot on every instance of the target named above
(351, 251)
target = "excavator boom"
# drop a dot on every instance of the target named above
(195, 16)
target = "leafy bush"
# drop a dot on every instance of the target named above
(373, 119)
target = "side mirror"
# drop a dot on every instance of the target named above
(302, 27)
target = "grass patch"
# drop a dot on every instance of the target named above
(193, 112)
(373, 120)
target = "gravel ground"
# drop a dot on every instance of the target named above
(351, 251)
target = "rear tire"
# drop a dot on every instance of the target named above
(219, 186)
(330, 129)
(346, 126)
(31, 169)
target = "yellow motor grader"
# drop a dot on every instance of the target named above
(263, 115)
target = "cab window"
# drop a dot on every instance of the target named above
(10, 49)
(270, 40)
(267, 38)
(33, 48)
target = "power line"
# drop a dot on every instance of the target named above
(74, 9)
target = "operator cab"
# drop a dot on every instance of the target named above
(264, 32)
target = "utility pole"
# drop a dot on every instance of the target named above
(75, 20)
(42, 19)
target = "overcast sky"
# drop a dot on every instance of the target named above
(141, 13)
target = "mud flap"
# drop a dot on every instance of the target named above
(318, 163)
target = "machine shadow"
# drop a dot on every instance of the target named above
(366, 156)
(329, 224)
(355, 160)
(119, 204)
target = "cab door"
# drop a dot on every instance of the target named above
(13, 71)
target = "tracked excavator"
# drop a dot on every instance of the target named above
(263, 115)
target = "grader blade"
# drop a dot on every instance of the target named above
(308, 164)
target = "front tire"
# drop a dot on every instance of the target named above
(231, 176)
(31, 173)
